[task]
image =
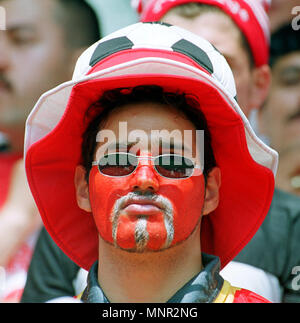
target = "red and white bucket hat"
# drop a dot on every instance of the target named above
(249, 15)
(177, 60)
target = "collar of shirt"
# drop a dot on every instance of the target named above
(202, 288)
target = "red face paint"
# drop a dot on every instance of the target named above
(135, 222)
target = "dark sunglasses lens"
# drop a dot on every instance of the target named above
(117, 164)
(174, 166)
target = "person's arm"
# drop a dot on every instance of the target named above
(19, 216)
(51, 273)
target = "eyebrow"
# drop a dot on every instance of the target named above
(174, 146)
(290, 69)
(119, 145)
(162, 144)
(21, 26)
(25, 29)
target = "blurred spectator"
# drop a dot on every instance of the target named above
(38, 51)
(280, 116)
(252, 77)
(266, 264)
(281, 12)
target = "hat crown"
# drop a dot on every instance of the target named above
(163, 37)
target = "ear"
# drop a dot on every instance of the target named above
(213, 183)
(82, 189)
(261, 81)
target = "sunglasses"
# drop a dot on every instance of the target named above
(123, 164)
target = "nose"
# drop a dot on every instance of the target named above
(145, 179)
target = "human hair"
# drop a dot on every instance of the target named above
(79, 22)
(115, 98)
(193, 10)
(284, 41)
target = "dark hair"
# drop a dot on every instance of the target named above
(119, 97)
(284, 41)
(192, 10)
(79, 22)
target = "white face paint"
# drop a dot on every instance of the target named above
(145, 211)
(141, 234)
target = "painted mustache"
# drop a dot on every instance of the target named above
(141, 235)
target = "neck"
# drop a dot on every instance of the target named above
(147, 277)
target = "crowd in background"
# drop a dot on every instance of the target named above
(38, 51)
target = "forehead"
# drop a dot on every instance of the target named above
(147, 126)
(217, 27)
(34, 12)
(148, 116)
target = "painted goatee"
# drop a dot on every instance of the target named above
(141, 234)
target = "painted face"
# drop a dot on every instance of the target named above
(145, 211)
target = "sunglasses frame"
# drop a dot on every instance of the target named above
(196, 166)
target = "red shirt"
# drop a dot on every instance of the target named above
(7, 161)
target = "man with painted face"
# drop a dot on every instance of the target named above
(239, 29)
(124, 186)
